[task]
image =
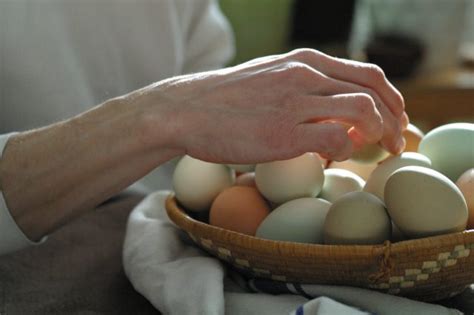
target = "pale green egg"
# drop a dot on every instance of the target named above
(242, 168)
(376, 182)
(300, 220)
(450, 148)
(370, 153)
(423, 202)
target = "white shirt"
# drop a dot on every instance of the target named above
(62, 57)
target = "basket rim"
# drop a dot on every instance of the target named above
(189, 224)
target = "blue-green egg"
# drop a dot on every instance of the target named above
(450, 149)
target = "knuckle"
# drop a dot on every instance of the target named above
(375, 73)
(368, 114)
(297, 67)
(364, 105)
(306, 55)
(298, 72)
(302, 53)
(337, 139)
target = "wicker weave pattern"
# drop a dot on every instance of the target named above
(426, 269)
(411, 276)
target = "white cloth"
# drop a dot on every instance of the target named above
(59, 58)
(178, 278)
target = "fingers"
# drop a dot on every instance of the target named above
(363, 74)
(330, 140)
(405, 121)
(392, 126)
(357, 110)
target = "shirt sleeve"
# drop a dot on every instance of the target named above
(209, 42)
(11, 236)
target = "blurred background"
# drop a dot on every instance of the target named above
(426, 47)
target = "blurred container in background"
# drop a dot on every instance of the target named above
(440, 26)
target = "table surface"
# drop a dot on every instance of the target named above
(79, 270)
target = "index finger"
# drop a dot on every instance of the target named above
(364, 74)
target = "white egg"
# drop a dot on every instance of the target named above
(338, 182)
(450, 148)
(196, 183)
(299, 220)
(357, 218)
(324, 161)
(376, 181)
(363, 170)
(281, 181)
(242, 168)
(423, 202)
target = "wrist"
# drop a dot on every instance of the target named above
(156, 121)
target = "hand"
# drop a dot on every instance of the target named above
(277, 107)
(270, 108)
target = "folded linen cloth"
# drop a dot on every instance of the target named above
(177, 277)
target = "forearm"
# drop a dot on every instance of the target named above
(53, 174)
(268, 109)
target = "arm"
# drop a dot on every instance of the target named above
(51, 175)
(267, 109)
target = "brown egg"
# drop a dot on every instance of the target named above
(246, 179)
(465, 183)
(240, 209)
(413, 136)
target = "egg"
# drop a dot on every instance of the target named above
(370, 154)
(397, 235)
(413, 136)
(242, 168)
(363, 170)
(465, 183)
(324, 162)
(423, 202)
(239, 209)
(450, 148)
(338, 182)
(300, 220)
(376, 181)
(246, 179)
(281, 181)
(357, 218)
(196, 183)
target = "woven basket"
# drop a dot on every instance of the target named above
(426, 269)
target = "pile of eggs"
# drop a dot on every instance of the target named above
(427, 190)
